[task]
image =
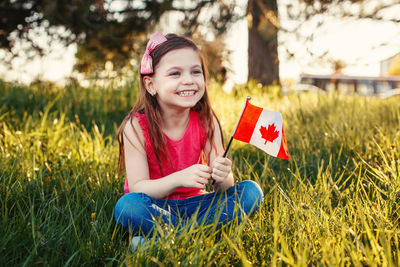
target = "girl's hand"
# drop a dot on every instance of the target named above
(222, 169)
(197, 175)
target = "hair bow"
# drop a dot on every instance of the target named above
(146, 66)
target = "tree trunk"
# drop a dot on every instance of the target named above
(263, 63)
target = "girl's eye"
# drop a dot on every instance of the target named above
(174, 73)
(197, 71)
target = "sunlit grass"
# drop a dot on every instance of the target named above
(334, 203)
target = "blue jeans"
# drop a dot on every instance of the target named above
(140, 211)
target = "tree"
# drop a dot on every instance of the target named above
(105, 30)
(264, 25)
(310, 14)
(263, 63)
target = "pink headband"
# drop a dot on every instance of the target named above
(146, 66)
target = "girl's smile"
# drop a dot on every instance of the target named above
(187, 92)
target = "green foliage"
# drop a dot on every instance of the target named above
(103, 106)
(334, 203)
(105, 31)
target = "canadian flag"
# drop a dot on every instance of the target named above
(263, 129)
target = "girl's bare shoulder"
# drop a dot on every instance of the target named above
(133, 133)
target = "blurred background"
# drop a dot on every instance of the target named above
(348, 45)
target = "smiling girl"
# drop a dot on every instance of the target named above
(171, 146)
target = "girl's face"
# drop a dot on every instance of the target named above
(178, 80)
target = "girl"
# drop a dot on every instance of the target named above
(166, 142)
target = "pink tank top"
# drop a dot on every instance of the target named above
(184, 153)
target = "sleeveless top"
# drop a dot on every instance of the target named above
(183, 153)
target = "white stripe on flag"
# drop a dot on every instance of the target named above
(268, 118)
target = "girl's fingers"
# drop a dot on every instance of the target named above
(202, 181)
(217, 173)
(199, 185)
(204, 174)
(221, 169)
(223, 161)
(217, 178)
(223, 166)
(204, 168)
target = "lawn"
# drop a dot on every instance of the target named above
(335, 202)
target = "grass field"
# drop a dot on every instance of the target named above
(335, 203)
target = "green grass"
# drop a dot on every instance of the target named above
(335, 203)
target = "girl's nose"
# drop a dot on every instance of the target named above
(187, 78)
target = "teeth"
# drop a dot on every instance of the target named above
(186, 93)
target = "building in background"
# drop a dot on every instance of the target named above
(363, 85)
(388, 80)
(387, 65)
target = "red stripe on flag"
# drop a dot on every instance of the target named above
(283, 150)
(247, 123)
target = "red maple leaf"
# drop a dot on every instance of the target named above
(269, 134)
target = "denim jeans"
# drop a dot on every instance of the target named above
(140, 211)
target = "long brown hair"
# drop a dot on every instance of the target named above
(148, 105)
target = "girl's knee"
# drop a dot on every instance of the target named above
(130, 207)
(251, 196)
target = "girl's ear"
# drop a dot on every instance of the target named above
(149, 85)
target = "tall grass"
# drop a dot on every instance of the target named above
(334, 203)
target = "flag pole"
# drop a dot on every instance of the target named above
(228, 146)
(230, 141)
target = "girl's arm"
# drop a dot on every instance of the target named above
(221, 166)
(137, 169)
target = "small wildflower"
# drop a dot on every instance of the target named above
(93, 216)
(352, 232)
(304, 206)
(393, 145)
(47, 166)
